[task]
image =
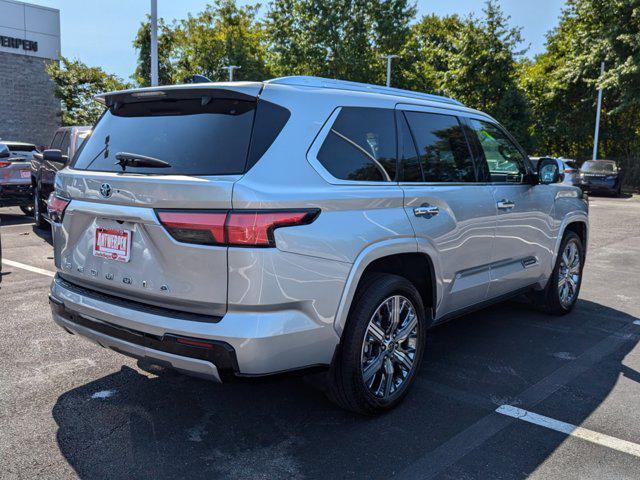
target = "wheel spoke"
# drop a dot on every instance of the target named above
(562, 281)
(404, 333)
(403, 359)
(373, 367)
(395, 315)
(376, 332)
(388, 375)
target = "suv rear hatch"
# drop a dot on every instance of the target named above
(112, 239)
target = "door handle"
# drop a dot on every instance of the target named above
(426, 211)
(505, 204)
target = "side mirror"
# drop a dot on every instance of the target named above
(548, 171)
(54, 155)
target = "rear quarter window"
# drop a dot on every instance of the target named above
(361, 145)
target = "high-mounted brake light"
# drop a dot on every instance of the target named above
(245, 228)
(56, 206)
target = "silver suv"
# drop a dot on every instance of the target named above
(249, 228)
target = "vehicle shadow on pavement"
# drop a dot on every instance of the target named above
(8, 218)
(133, 424)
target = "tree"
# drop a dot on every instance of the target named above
(472, 60)
(336, 38)
(76, 84)
(166, 50)
(561, 83)
(223, 34)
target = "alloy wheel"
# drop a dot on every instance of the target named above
(569, 274)
(390, 346)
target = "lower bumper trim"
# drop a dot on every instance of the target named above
(211, 359)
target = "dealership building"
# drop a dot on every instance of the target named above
(29, 40)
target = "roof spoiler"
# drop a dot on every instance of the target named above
(230, 90)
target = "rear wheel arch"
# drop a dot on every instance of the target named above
(417, 267)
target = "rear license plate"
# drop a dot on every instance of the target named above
(112, 244)
(25, 174)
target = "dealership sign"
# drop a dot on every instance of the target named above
(18, 43)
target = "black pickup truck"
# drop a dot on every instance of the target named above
(45, 165)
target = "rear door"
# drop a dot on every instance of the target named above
(111, 238)
(448, 208)
(525, 236)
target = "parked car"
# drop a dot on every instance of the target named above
(44, 166)
(15, 176)
(248, 228)
(567, 167)
(601, 176)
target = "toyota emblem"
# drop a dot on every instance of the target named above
(105, 190)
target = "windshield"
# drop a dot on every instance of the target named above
(599, 166)
(195, 137)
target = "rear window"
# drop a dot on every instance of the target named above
(194, 136)
(21, 147)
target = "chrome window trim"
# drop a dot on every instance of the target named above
(312, 156)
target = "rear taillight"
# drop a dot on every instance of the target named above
(569, 170)
(4, 164)
(56, 206)
(234, 228)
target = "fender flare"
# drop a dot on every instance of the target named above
(573, 217)
(368, 255)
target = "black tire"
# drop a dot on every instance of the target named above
(27, 209)
(549, 300)
(38, 217)
(346, 385)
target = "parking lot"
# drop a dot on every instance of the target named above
(70, 409)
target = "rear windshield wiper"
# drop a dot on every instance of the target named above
(135, 160)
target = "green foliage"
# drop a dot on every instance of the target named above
(561, 83)
(76, 85)
(223, 34)
(472, 60)
(336, 38)
(166, 48)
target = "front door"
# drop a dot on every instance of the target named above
(450, 211)
(524, 232)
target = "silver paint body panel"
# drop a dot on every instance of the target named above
(286, 307)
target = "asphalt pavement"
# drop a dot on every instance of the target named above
(507, 392)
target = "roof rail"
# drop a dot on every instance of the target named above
(319, 82)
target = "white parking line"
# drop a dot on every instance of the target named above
(41, 271)
(569, 429)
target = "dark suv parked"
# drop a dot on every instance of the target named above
(601, 176)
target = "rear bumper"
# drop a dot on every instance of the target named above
(15, 195)
(241, 343)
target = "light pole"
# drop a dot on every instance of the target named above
(599, 107)
(230, 69)
(389, 58)
(154, 43)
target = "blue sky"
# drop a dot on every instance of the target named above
(100, 32)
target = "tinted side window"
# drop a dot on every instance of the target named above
(409, 160)
(505, 162)
(361, 145)
(442, 146)
(64, 146)
(57, 140)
